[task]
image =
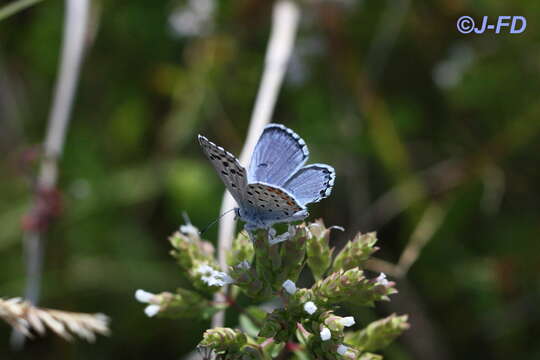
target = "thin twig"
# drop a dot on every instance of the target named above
(16, 6)
(427, 226)
(283, 32)
(439, 178)
(75, 30)
(430, 222)
(381, 266)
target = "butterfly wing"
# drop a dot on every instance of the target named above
(311, 183)
(267, 204)
(228, 168)
(279, 153)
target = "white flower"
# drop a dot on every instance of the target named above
(342, 349)
(310, 307)
(151, 310)
(289, 286)
(225, 278)
(381, 280)
(204, 269)
(148, 298)
(347, 321)
(143, 296)
(325, 334)
(217, 278)
(212, 277)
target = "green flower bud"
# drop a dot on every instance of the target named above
(252, 352)
(379, 334)
(189, 246)
(223, 340)
(297, 304)
(279, 325)
(348, 352)
(241, 250)
(319, 254)
(277, 261)
(293, 252)
(265, 255)
(351, 286)
(246, 278)
(322, 349)
(356, 252)
(335, 323)
(184, 304)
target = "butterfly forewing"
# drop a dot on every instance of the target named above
(227, 166)
(279, 153)
(272, 201)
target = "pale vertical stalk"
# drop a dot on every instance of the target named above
(74, 39)
(285, 19)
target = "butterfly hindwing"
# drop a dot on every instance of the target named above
(228, 168)
(311, 183)
(279, 153)
(271, 201)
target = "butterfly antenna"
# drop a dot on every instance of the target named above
(185, 216)
(215, 221)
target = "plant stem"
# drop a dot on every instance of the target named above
(75, 31)
(285, 19)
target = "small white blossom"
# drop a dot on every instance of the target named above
(148, 298)
(151, 310)
(325, 334)
(381, 280)
(143, 296)
(213, 277)
(310, 307)
(208, 280)
(226, 278)
(348, 321)
(289, 286)
(342, 349)
(217, 278)
(204, 269)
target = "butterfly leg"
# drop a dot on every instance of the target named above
(300, 215)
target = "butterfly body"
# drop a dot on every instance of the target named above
(277, 186)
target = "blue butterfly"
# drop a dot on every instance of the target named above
(277, 186)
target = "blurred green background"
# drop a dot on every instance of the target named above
(413, 115)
